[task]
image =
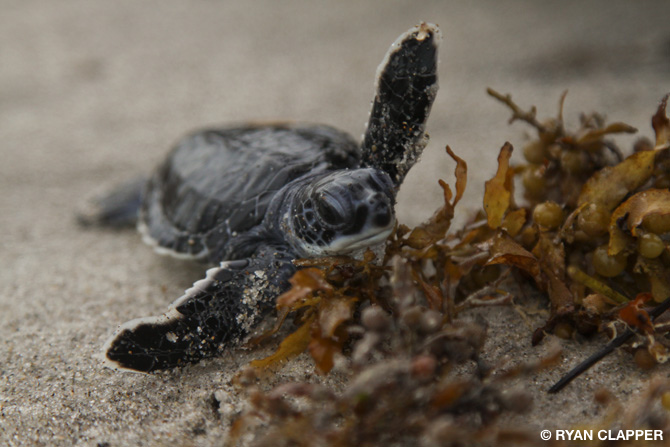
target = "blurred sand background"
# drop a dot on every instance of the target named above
(94, 92)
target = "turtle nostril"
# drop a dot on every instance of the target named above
(382, 217)
(380, 209)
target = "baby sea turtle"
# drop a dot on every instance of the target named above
(254, 198)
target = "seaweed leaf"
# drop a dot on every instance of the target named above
(293, 345)
(498, 190)
(661, 125)
(609, 186)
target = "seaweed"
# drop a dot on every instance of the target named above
(592, 234)
(600, 224)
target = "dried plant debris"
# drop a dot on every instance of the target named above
(648, 411)
(637, 318)
(325, 293)
(599, 224)
(592, 234)
(404, 386)
(324, 299)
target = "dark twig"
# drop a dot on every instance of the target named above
(611, 346)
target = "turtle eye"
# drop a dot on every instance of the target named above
(331, 211)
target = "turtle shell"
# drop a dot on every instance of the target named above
(216, 185)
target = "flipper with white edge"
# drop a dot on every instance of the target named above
(217, 311)
(406, 86)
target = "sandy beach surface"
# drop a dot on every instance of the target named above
(95, 92)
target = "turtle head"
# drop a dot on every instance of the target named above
(340, 212)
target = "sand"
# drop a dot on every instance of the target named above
(94, 92)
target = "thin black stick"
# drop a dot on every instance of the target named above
(611, 346)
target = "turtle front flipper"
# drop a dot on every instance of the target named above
(218, 311)
(406, 87)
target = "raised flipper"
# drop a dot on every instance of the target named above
(217, 312)
(406, 87)
(116, 209)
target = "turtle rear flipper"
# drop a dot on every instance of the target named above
(406, 87)
(117, 209)
(219, 310)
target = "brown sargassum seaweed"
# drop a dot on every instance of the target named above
(592, 234)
